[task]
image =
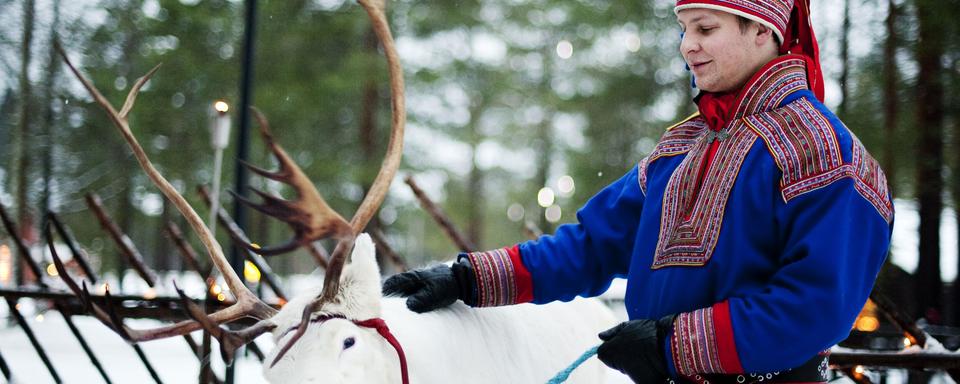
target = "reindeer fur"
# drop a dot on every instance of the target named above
(516, 344)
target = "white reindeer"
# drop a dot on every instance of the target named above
(518, 344)
(318, 335)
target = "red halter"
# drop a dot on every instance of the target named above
(382, 329)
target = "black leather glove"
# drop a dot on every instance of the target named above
(436, 287)
(636, 348)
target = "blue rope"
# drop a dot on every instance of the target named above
(564, 374)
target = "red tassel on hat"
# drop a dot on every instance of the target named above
(800, 39)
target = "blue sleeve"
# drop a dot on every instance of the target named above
(582, 259)
(835, 240)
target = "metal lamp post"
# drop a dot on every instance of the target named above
(219, 138)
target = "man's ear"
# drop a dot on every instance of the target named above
(763, 34)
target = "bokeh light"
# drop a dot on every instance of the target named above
(546, 197)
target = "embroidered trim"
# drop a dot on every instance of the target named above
(870, 180)
(771, 85)
(496, 277)
(642, 174)
(702, 342)
(688, 118)
(774, 12)
(679, 138)
(804, 145)
(802, 142)
(694, 345)
(690, 225)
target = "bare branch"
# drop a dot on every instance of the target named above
(441, 218)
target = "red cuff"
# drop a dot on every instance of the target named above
(703, 343)
(501, 277)
(729, 359)
(522, 278)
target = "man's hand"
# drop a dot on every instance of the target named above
(433, 288)
(636, 348)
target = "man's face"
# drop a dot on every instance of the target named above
(721, 57)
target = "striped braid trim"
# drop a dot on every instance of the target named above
(774, 14)
(870, 181)
(703, 343)
(801, 139)
(680, 138)
(767, 89)
(690, 224)
(805, 147)
(642, 174)
(677, 140)
(501, 277)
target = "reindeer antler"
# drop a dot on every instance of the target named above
(310, 216)
(247, 304)
(378, 190)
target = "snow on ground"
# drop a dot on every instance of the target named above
(171, 358)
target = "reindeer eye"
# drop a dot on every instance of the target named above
(349, 342)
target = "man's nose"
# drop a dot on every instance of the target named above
(688, 43)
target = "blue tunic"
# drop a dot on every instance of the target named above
(768, 265)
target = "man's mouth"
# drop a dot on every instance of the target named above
(699, 65)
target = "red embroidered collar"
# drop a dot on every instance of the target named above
(765, 90)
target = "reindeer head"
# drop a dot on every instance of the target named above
(353, 295)
(338, 351)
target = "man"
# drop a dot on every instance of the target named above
(750, 237)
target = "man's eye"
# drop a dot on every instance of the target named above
(706, 29)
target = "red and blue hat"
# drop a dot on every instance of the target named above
(789, 20)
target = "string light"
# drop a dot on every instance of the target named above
(52, 270)
(545, 197)
(565, 185)
(633, 43)
(515, 212)
(216, 290)
(221, 297)
(867, 324)
(858, 369)
(221, 106)
(250, 272)
(564, 49)
(6, 264)
(150, 294)
(553, 213)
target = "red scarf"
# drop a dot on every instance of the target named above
(716, 108)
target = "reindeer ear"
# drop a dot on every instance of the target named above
(363, 260)
(360, 281)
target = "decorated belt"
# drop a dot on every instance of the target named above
(812, 371)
